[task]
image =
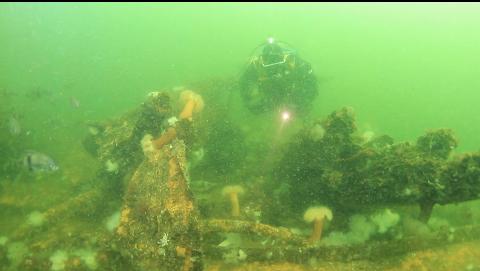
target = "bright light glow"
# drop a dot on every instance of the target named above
(270, 40)
(285, 116)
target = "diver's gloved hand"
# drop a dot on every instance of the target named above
(147, 144)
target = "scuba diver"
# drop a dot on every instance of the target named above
(277, 78)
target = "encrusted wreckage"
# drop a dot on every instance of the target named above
(161, 227)
(329, 163)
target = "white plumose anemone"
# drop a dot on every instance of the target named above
(111, 166)
(317, 216)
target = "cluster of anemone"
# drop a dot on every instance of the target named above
(192, 103)
(316, 215)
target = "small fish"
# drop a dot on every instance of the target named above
(94, 128)
(5, 93)
(178, 88)
(14, 126)
(38, 93)
(74, 102)
(39, 162)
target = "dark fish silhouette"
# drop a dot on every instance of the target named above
(39, 162)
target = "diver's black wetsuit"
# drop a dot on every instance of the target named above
(291, 85)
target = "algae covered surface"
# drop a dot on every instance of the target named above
(239, 136)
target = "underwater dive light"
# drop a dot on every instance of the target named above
(286, 116)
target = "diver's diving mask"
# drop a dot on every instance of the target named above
(279, 61)
(273, 53)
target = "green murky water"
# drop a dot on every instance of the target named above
(403, 68)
